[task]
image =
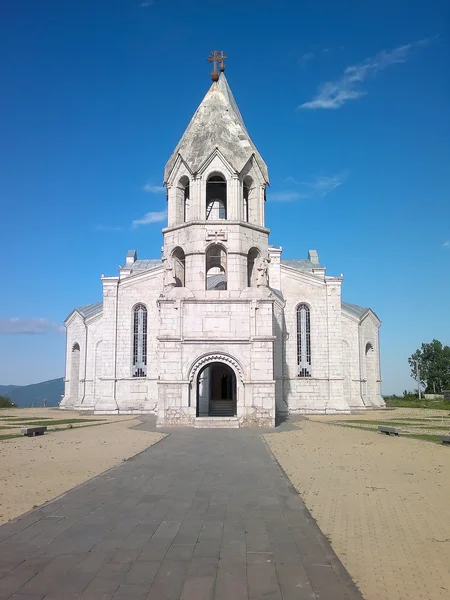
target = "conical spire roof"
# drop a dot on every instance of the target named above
(217, 123)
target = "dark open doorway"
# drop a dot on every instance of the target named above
(216, 391)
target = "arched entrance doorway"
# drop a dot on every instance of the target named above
(216, 391)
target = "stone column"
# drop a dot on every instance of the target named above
(233, 197)
(336, 399)
(107, 384)
(275, 268)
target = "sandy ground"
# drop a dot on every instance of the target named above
(408, 420)
(392, 414)
(384, 503)
(35, 470)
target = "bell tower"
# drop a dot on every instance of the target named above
(216, 180)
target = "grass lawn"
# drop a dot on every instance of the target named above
(18, 422)
(438, 404)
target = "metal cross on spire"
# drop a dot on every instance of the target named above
(217, 57)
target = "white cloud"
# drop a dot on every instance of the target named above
(304, 60)
(286, 196)
(18, 325)
(153, 189)
(324, 185)
(150, 217)
(446, 244)
(335, 94)
(317, 188)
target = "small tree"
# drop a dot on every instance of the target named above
(434, 365)
(6, 402)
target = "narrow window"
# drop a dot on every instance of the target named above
(370, 375)
(252, 258)
(303, 341)
(247, 189)
(216, 268)
(216, 198)
(75, 371)
(179, 260)
(182, 201)
(186, 203)
(140, 341)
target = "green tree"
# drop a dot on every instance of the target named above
(434, 366)
(6, 402)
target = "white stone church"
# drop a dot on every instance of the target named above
(221, 331)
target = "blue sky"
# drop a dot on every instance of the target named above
(346, 101)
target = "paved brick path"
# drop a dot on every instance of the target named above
(203, 514)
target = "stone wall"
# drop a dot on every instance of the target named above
(323, 391)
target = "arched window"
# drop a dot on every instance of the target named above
(216, 268)
(303, 341)
(216, 198)
(247, 189)
(179, 266)
(139, 341)
(182, 200)
(75, 372)
(371, 372)
(252, 257)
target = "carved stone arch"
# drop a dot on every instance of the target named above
(253, 169)
(216, 161)
(212, 358)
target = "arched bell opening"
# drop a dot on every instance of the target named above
(216, 198)
(182, 203)
(252, 261)
(247, 192)
(216, 268)
(179, 266)
(216, 391)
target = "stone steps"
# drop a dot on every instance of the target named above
(216, 423)
(221, 408)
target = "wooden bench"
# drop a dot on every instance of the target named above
(445, 439)
(388, 430)
(32, 431)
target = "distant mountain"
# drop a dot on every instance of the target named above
(35, 394)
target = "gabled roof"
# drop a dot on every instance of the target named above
(86, 311)
(89, 310)
(217, 123)
(354, 309)
(145, 264)
(301, 264)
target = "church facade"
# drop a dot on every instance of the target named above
(221, 331)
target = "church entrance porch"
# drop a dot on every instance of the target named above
(216, 391)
